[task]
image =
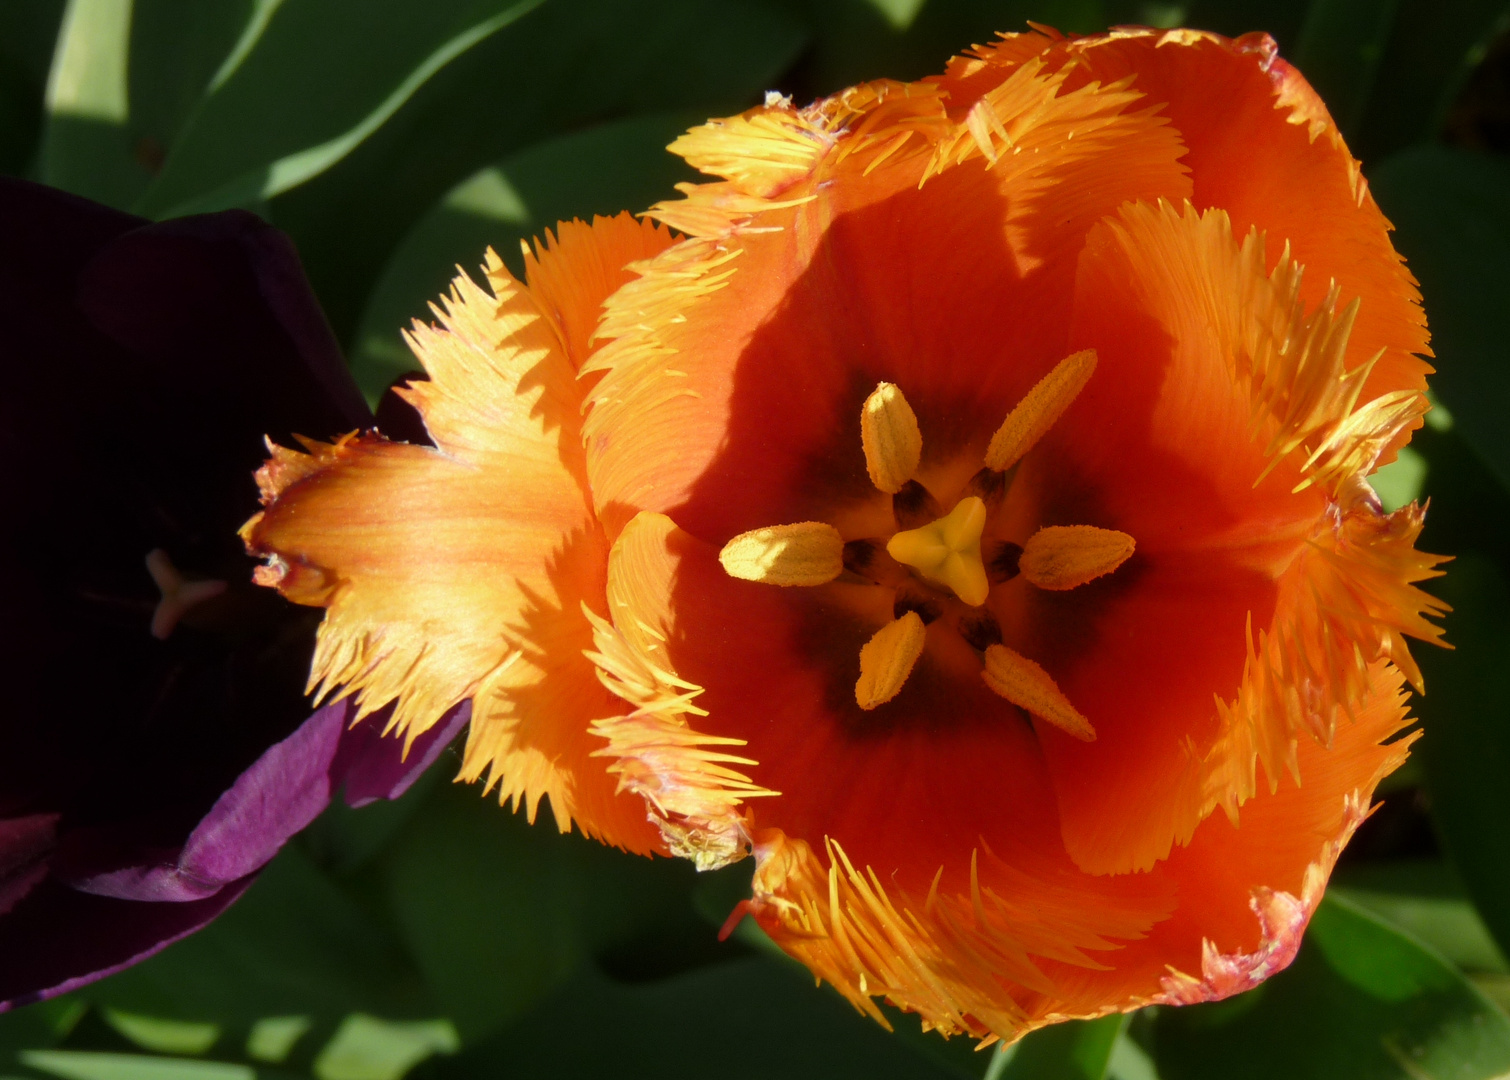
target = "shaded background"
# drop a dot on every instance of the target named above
(441, 937)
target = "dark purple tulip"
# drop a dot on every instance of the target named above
(156, 748)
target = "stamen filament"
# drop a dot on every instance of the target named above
(1066, 556)
(807, 553)
(1029, 687)
(890, 437)
(1039, 410)
(888, 658)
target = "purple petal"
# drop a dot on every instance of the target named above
(58, 939)
(283, 791)
(377, 766)
(24, 844)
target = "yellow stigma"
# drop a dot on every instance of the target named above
(947, 551)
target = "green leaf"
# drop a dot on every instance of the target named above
(296, 943)
(1362, 1000)
(1451, 210)
(1427, 899)
(1433, 48)
(750, 1019)
(89, 1065)
(256, 135)
(163, 1036)
(28, 32)
(125, 76)
(1341, 46)
(498, 913)
(1466, 752)
(564, 67)
(366, 1048)
(602, 170)
(1077, 1050)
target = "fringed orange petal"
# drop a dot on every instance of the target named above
(1263, 148)
(461, 572)
(1225, 434)
(738, 360)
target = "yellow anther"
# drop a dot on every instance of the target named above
(947, 551)
(889, 433)
(1031, 419)
(887, 659)
(1065, 556)
(808, 553)
(1029, 687)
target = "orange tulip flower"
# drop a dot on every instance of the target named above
(957, 519)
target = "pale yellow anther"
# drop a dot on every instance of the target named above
(1066, 556)
(889, 433)
(887, 659)
(1029, 687)
(1032, 417)
(947, 551)
(808, 553)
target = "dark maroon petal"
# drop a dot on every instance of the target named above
(57, 939)
(143, 365)
(220, 305)
(25, 844)
(283, 791)
(376, 766)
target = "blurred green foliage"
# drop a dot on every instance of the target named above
(439, 937)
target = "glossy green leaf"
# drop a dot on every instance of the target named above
(1466, 713)
(1433, 48)
(562, 68)
(498, 914)
(1362, 1000)
(319, 78)
(1340, 48)
(126, 74)
(1451, 210)
(1426, 898)
(28, 32)
(90, 1065)
(750, 1019)
(1078, 1050)
(603, 170)
(162, 1035)
(367, 1048)
(296, 943)
(855, 41)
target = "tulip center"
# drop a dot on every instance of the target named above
(947, 551)
(941, 564)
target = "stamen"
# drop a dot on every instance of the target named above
(980, 630)
(1002, 561)
(887, 659)
(927, 608)
(808, 553)
(989, 484)
(947, 551)
(1029, 687)
(889, 433)
(1066, 556)
(1039, 410)
(913, 505)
